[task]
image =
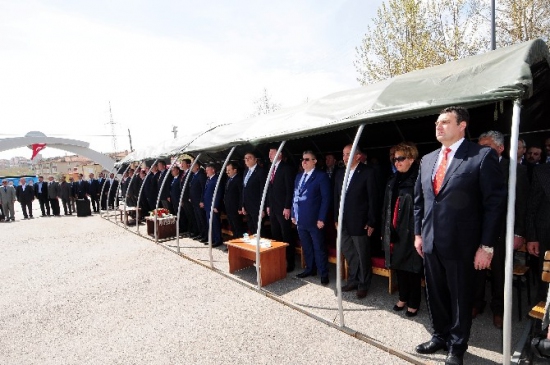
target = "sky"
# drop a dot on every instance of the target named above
(159, 64)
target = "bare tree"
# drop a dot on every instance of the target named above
(408, 35)
(264, 105)
(522, 20)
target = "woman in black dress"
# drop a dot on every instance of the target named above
(398, 228)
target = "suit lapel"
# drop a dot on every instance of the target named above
(455, 163)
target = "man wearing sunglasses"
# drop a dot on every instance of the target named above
(309, 212)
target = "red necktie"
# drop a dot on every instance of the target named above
(395, 213)
(440, 174)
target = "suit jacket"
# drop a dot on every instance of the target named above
(233, 194)
(252, 192)
(175, 191)
(107, 187)
(54, 190)
(25, 196)
(165, 193)
(66, 190)
(196, 188)
(311, 203)
(94, 188)
(185, 191)
(8, 195)
(538, 208)
(468, 210)
(522, 191)
(208, 195)
(41, 195)
(150, 189)
(361, 200)
(281, 189)
(80, 189)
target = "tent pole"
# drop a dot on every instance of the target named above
(139, 195)
(510, 218)
(119, 188)
(101, 195)
(157, 204)
(339, 231)
(137, 207)
(181, 200)
(211, 221)
(258, 231)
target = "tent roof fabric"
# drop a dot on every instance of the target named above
(502, 74)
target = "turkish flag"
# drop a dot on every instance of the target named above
(37, 147)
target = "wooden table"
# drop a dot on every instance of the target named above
(130, 212)
(166, 226)
(272, 259)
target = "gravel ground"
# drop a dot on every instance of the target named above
(85, 291)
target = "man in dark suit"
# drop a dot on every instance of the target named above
(110, 190)
(310, 206)
(66, 193)
(188, 216)
(196, 191)
(538, 211)
(165, 192)
(41, 193)
(232, 199)
(150, 189)
(208, 200)
(132, 189)
(358, 222)
(279, 203)
(81, 188)
(459, 200)
(175, 191)
(25, 196)
(94, 191)
(495, 140)
(253, 187)
(101, 179)
(54, 193)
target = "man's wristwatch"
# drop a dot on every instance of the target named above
(487, 249)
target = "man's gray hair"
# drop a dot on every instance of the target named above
(496, 136)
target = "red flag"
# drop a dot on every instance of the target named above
(37, 147)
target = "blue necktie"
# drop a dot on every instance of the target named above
(247, 176)
(303, 184)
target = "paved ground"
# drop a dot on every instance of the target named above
(84, 291)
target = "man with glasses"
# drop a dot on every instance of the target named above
(7, 198)
(309, 212)
(358, 222)
(253, 186)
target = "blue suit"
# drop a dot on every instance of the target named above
(208, 199)
(310, 204)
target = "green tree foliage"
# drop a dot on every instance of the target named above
(522, 20)
(408, 35)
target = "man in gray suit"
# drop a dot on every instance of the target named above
(7, 198)
(54, 192)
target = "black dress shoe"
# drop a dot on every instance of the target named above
(204, 240)
(454, 359)
(216, 244)
(411, 314)
(324, 280)
(397, 308)
(349, 287)
(430, 347)
(305, 274)
(361, 293)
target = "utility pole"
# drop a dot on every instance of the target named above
(175, 131)
(113, 134)
(130, 138)
(493, 27)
